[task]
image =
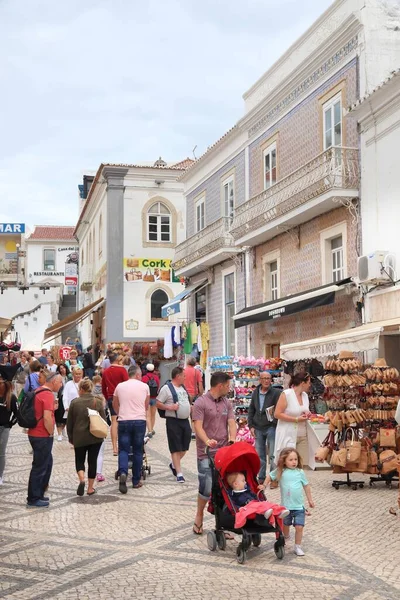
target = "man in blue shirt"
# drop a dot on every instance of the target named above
(262, 423)
(43, 358)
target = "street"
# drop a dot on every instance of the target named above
(141, 545)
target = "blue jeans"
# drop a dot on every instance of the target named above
(42, 465)
(264, 437)
(131, 434)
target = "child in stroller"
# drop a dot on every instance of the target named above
(240, 459)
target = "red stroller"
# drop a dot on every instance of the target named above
(240, 457)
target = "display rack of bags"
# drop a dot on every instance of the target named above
(363, 437)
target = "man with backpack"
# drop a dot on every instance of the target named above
(173, 402)
(153, 381)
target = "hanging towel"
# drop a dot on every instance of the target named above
(199, 344)
(168, 353)
(177, 335)
(188, 340)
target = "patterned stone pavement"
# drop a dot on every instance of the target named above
(141, 545)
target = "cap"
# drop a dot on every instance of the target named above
(149, 367)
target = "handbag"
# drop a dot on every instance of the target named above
(362, 465)
(353, 447)
(338, 458)
(132, 262)
(387, 437)
(145, 349)
(325, 451)
(165, 275)
(148, 276)
(387, 462)
(153, 348)
(97, 425)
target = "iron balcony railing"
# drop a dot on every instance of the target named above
(210, 239)
(334, 169)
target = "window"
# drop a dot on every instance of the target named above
(271, 272)
(158, 223)
(49, 260)
(272, 350)
(273, 276)
(333, 122)
(157, 301)
(200, 214)
(269, 166)
(100, 235)
(229, 311)
(201, 304)
(337, 258)
(229, 197)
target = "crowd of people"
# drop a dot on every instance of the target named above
(127, 396)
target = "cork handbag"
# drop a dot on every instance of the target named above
(165, 275)
(97, 425)
(353, 447)
(387, 438)
(148, 276)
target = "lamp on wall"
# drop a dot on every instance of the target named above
(45, 287)
(22, 287)
(2, 287)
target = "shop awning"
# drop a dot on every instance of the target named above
(4, 324)
(53, 331)
(289, 305)
(358, 339)
(173, 306)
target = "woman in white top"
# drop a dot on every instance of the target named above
(292, 411)
(51, 365)
(71, 389)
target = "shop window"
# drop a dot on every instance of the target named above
(229, 311)
(157, 301)
(158, 223)
(200, 213)
(49, 260)
(334, 253)
(269, 166)
(228, 187)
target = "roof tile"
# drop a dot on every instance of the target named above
(53, 232)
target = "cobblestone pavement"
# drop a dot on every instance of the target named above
(141, 545)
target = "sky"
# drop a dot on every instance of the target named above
(124, 81)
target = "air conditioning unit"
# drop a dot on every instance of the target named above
(379, 266)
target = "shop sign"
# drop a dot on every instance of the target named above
(64, 352)
(149, 270)
(49, 273)
(323, 349)
(131, 325)
(71, 281)
(68, 249)
(12, 227)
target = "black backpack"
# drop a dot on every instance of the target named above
(26, 414)
(152, 386)
(174, 396)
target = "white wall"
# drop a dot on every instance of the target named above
(31, 327)
(13, 301)
(34, 260)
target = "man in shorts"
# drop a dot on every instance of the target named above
(174, 399)
(112, 376)
(215, 427)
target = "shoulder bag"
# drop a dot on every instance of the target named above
(97, 425)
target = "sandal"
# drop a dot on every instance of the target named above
(198, 529)
(138, 485)
(91, 493)
(81, 488)
(393, 511)
(228, 536)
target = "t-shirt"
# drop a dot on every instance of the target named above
(32, 382)
(192, 380)
(105, 364)
(132, 396)
(165, 396)
(215, 415)
(291, 484)
(44, 400)
(112, 376)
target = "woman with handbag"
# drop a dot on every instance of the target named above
(292, 412)
(79, 435)
(8, 414)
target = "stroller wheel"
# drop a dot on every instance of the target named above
(256, 539)
(279, 551)
(241, 554)
(212, 541)
(221, 540)
(144, 474)
(149, 470)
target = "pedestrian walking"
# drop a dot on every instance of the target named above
(61, 420)
(97, 391)
(8, 414)
(21, 375)
(193, 382)
(111, 377)
(131, 400)
(43, 358)
(174, 400)
(152, 379)
(262, 422)
(215, 427)
(84, 442)
(41, 438)
(32, 381)
(71, 389)
(88, 363)
(293, 482)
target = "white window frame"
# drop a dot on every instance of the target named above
(267, 260)
(55, 259)
(200, 213)
(268, 151)
(326, 237)
(228, 186)
(329, 105)
(224, 273)
(159, 216)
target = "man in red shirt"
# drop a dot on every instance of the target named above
(41, 438)
(193, 383)
(112, 376)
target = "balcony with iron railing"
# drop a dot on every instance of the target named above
(304, 194)
(210, 246)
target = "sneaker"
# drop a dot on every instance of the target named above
(298, 551)
(38, 504)
(193, 436)
(1, 481)
(59, 438)
(268, 513)
(180, 479)
(122, 484)
(171, 466)
(100, 477)
(146, 439)
(153, 432)
(45, 498)
(149, 435)
(284, 514)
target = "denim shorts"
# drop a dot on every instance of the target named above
(153, 401)
(205, 478)
(297, 518)
(111, 408)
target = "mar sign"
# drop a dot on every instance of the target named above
(12, 228)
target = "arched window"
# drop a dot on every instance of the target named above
(158, 223)
(101, 235)
(157, 300)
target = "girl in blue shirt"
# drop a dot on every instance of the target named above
(293, 482)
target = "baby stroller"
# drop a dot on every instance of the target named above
(240, 457)
(146, 467)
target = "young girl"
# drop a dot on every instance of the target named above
(243, 433)
(293, 481)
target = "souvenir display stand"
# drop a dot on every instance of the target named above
(218, 364)
(247, 378)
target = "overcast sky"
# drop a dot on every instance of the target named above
(91, 81)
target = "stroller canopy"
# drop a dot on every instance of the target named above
(238, 457)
